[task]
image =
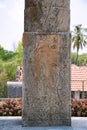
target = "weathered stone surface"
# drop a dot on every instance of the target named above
(46, 79)
(47, 16)
(46, 63)
(55, 3)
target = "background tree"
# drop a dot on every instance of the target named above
(82, 59)
(9, 61)
(79, 39)
(5, 54)
(73, 58)
(19, 53)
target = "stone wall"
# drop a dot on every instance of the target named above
(14, 89)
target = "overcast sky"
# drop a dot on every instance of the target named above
(12, 20)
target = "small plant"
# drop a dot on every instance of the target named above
(11, 107)
(79, 108)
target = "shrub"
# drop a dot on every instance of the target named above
(3, 86)
(11, 107)
(79, 107)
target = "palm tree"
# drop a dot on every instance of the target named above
(79, 40)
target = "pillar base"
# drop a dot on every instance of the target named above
(46, 85)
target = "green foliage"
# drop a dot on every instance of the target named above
(82, 59)
(1, 65)
(8, 66)
(5, 54)
(3, 80)
(10, 69)
(73, 58)
(19, 53)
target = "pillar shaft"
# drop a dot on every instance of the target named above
(46, 63)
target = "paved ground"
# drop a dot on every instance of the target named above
(14, 123)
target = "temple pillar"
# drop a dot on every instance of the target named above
(46, 63)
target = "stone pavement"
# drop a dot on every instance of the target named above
(14, 123)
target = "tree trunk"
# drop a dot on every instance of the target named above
(77, 57)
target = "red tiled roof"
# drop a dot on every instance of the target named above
(78, 78)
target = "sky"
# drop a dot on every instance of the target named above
(11, 23)
(12, 20)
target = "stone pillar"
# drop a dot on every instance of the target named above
(46, 63)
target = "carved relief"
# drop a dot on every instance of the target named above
(47, 16)
(46, 54)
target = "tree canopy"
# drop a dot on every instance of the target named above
(5, 54)
(9, 61)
